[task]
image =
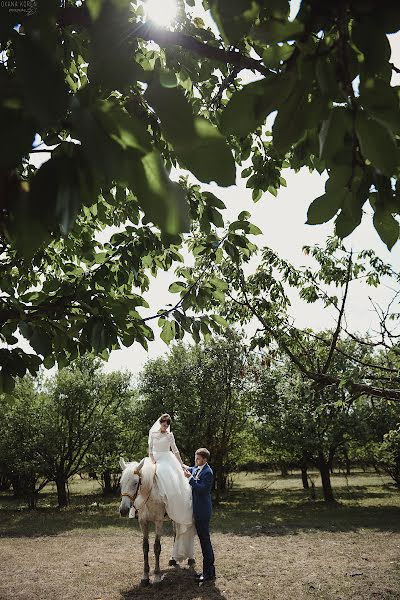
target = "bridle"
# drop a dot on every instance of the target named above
(135, 495)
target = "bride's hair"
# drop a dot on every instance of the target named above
(166, 417)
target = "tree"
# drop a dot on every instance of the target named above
(303, 421)
(74, 412)
(262, 297)
(119, 434)
(389, 454)
(20, 436)
(205, 389)
(117, 114)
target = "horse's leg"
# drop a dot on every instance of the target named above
(157, 550)
(146, 573)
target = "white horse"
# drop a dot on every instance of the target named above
(141, 492)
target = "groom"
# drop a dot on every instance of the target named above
(201, 479)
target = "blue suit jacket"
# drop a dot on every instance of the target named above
(201, 489)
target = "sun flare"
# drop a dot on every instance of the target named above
(161, 12)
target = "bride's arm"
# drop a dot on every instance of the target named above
(175, 450)
(153, 460)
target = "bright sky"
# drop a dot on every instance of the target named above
(282, 220)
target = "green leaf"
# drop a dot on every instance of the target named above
(349, 217)
(112, 48)
(41, 342)
(220, 320)
(381, 101)
(249, 107)
(333, 131)
(168, 332)
(233, 17)
(42, 78)
(163, 201)
(274, 55)
(127, 130)
(291, 121)
(276, 30)
(198, 144)
(175, 113)
(377, 144)
(168, 79)
(94, 7)
(387, 227)
(373, 43)
(209, 157)
(177, 286)
(325, 207)
(97, 334)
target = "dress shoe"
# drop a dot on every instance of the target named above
(203, 578)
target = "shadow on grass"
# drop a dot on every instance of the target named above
(178, 583)
(244, 510)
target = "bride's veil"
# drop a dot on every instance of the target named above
(156, 427)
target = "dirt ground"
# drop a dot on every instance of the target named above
(270, 544)
(107, 565)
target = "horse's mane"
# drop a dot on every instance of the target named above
(146, 477)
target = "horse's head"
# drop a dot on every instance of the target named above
(129, 486)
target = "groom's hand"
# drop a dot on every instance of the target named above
(187, 473)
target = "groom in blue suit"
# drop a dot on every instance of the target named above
(201, 480)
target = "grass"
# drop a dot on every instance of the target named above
(271, 542)
(258, 503)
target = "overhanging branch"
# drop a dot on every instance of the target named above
(80, 17)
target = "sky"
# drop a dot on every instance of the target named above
(282, 220)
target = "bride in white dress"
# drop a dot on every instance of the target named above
(173, 485)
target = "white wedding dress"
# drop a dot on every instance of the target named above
(175, 491)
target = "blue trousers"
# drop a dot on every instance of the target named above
(203, 531)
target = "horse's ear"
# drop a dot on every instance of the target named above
(122, 463)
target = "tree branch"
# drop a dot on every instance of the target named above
(164, 38)
(339, 322)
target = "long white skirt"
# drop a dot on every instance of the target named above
(177, 495)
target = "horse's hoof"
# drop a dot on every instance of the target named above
(157, 579)
(191, 562)
(172, 562)
(144, 582)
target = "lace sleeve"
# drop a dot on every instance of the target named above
(172, 443)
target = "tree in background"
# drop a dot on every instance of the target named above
(80, 401)
(300, 421)
(118, 435)
(50, 432)
(21, 464)
(205, 389)
(389, 454)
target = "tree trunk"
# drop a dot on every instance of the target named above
(62, 495)
(107, 489)
(5, 482)
(347, 462)
(323, 466)
(283, 468)
(304, 477)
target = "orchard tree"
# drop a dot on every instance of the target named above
(308, 423)
(79, 403)
(262, 297)
(206, 391)
(389, 454)
(21, 464)
(117, 102)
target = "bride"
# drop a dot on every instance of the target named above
(173, 485)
